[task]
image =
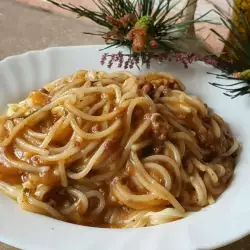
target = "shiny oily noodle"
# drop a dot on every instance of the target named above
(114, 150)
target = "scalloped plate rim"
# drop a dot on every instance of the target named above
(184, 225)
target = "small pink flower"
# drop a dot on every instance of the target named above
(104, 58)
(154, 44)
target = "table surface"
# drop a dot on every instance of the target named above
(19, 25)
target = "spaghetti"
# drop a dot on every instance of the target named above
(114, 150)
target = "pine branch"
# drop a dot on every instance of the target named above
(237, 51)
(238, 43)
(123, 18)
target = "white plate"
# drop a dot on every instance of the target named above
(225, 221)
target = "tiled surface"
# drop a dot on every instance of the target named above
(19, 26)
(18, 33)
(202, 7)
(50, 7)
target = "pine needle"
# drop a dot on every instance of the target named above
(164, 29)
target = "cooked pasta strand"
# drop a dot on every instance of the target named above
(114, 150)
